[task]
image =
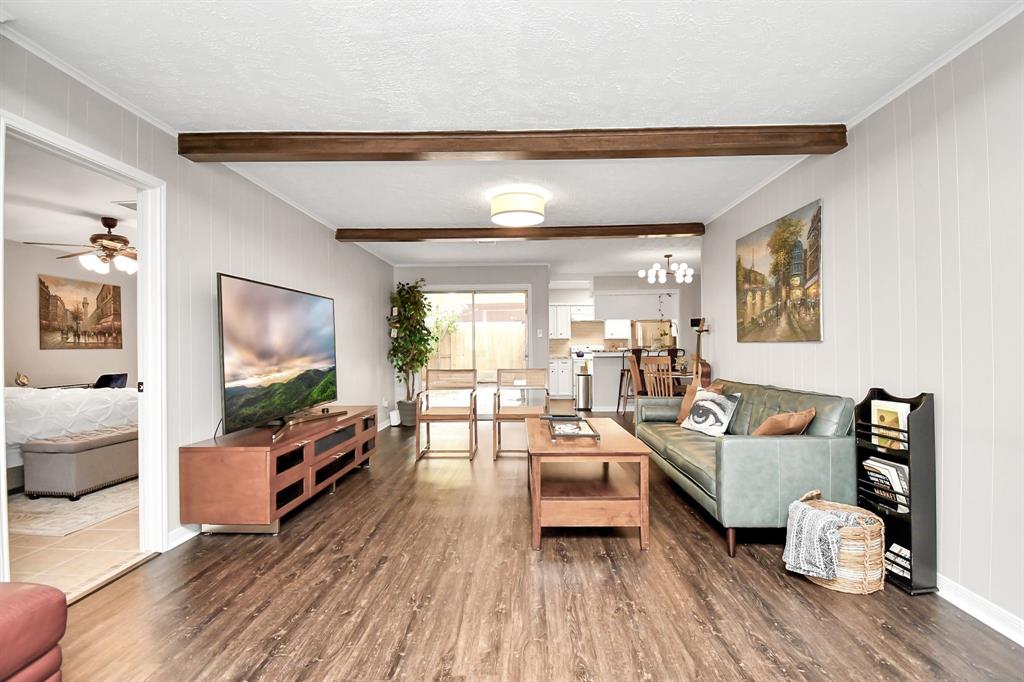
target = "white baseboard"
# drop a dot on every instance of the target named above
(180, 535)
(992, 615)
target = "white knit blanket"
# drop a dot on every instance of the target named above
(812, 539)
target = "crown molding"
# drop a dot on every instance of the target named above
(946, 57)
(31, 46)
(976, 37)
(54, 61)
(755, 189)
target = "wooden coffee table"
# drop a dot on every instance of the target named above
(565, 493)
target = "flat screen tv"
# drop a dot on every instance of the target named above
(277, 351)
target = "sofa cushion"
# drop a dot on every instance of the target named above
(657, 434)
(833, 414)
(85, 440)
(693, 454)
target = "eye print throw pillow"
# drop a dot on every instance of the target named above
(711, 412)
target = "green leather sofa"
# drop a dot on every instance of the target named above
(749, 481)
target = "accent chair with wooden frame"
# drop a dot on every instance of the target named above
(525, 381)
(447, 381)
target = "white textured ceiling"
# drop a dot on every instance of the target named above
(570, 259)
(451, 193)
(483, 64)
(48, 198)
(502, 64)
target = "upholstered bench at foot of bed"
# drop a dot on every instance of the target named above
(79, 463)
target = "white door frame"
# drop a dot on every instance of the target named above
(152, 316)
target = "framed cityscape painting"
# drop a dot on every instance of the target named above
(77, 314)
(778, 279)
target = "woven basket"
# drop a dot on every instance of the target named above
(861, 568)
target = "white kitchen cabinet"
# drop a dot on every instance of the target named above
(553, 377)
(559, 322)
(562, 385)
(581, 313)
(617, 329)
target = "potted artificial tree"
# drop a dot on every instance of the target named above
(412, 341)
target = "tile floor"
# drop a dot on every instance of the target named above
(79, 562)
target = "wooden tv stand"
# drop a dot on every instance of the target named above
(246, 481)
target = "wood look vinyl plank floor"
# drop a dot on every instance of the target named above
(424, 571)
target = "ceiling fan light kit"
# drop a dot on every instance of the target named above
(104, 249)
(92, 262)
(682, 273)
(126, 264)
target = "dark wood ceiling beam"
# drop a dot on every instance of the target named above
(540, 232)
(610, 143)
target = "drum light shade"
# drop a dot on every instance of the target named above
(518, 206)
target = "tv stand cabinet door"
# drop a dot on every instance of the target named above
(225, 486)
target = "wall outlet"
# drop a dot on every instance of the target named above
(540, 333)
(384, 402)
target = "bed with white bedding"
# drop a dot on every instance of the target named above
(43, 413)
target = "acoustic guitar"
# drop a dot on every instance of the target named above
(701, 368)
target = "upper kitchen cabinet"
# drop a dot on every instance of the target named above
(581, 313)
(559, 322)
(617, 329)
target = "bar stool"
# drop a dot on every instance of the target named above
(630, 378)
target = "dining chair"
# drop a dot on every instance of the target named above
(450, 381)
(525, 382)
(658, 379)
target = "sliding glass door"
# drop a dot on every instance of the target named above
(481, 330)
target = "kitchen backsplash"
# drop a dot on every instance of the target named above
(584, 334)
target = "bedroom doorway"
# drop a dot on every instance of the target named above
(83, 471)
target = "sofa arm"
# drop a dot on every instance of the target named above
(657, 409)
(758, 477)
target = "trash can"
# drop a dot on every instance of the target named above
(584, 392)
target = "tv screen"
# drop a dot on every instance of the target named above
(277, 349)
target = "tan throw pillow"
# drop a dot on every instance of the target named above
(785, 423)
(691, 393)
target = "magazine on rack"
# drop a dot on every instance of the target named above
(890, 481)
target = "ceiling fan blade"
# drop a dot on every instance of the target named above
(133, 254)
(76, 255)
(109, 244)
(77, 246)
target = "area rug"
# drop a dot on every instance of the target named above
(58, 516)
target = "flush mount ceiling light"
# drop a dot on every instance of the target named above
(518, 205)
(681, 272)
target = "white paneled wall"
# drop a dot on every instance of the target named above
(217, 221)
(922, 290)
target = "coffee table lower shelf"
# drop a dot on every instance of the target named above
(573, 483)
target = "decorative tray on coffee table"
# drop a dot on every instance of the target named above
(570, 426)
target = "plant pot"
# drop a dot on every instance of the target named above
(407, 408)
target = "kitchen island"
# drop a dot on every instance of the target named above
(606, 367)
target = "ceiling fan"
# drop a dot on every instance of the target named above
(103, 249)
